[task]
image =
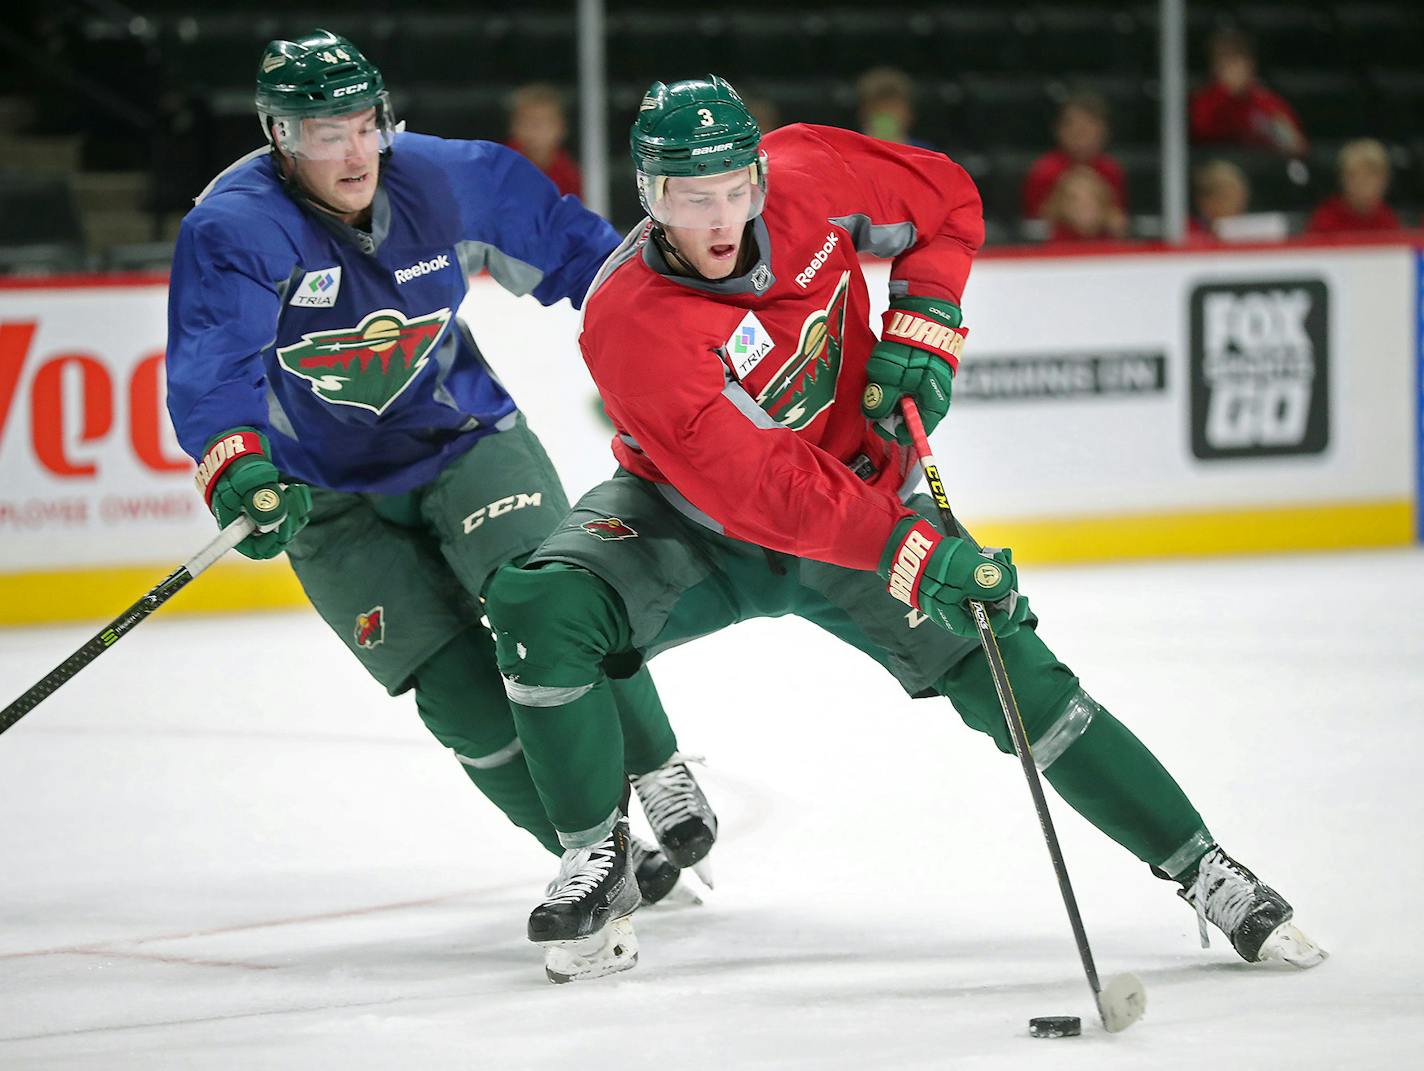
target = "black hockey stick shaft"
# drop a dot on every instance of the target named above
(1007, 701)
(127, 621)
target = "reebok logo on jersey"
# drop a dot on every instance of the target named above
(749, 343)
(318, 289)
(422, 267)
(804, 277)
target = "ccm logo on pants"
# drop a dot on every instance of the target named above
(500, 508)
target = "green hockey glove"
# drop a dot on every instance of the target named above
(917, 355)
(236, 477)
(938, 575)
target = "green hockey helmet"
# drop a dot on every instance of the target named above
(697, 129)
(321, 75)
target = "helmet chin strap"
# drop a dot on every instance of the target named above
(287, 169)
(686, 267)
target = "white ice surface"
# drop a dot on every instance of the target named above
(222, 847)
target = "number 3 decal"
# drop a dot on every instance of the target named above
(706, 116)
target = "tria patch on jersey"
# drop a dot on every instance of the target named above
(318, 289)
(805, 386)
(369, 365)
(749, 343)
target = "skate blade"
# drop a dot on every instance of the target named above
(1288, 945)
(703, 869)
(680, 895)
(1121, 1002)
(614, 948)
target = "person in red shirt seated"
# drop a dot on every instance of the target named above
(1359, 206)
(1082, 133)
(1222, 192)
(1083, 208)
(537, 129)
(1234, 108)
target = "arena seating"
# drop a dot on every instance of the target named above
(988, 78)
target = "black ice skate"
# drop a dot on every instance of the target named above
(1254, 916)
(656, 876)
(679, 813)
(582, 923)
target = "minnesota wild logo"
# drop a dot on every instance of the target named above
(805, 386)
(366, 366)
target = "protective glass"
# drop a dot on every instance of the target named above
(336, 137)
(705, 202)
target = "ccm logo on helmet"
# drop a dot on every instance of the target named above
(422, 267)
(346, 91)
(822, 255)
(711, 148)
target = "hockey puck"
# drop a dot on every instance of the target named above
(1055, 1026)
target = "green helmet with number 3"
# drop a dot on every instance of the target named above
(692, 129)
(319, 75)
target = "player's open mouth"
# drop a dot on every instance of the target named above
(356, 180)
(722, 251)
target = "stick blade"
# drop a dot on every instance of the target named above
(1121, 1003)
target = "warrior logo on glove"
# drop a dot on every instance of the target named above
(988, 575)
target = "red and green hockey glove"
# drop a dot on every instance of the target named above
(236, 477)
(937, 575)
(917, 355)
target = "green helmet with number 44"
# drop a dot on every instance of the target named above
(319, 75)
(694, 129)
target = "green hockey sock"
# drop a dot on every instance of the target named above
(648, 739)
(461, 699)
(1093, 761)
(575, 753)
(1109, 777)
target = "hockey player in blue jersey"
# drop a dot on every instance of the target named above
(318, 373)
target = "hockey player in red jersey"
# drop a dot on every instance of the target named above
(765, 472)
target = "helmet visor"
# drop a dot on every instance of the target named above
(705, 202)
(336, 137)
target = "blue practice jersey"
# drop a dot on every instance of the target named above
(343, 346)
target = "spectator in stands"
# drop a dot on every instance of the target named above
(887, 106)
(1082, 133)
(1235, 109)
(1222, 192)
(537, 128)
(1082, 207)
(1359, 206)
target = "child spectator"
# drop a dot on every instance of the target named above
(887, 106)
(1082, 133)
(1359, 206)
(1235, 109)
(1082, 208)
(1222, 192)
(537, 128)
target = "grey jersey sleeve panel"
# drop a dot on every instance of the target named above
(883, 240)
(514, 275)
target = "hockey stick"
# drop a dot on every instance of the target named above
(116, 629)
(1123, 1000)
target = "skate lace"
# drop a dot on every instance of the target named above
(1222, 893)
(581, 872)
(669, 794)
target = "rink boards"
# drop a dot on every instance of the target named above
(1109, 406)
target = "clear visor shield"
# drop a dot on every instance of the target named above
(705, 202)
(336, 137)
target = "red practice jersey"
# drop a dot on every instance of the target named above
(742, 396)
